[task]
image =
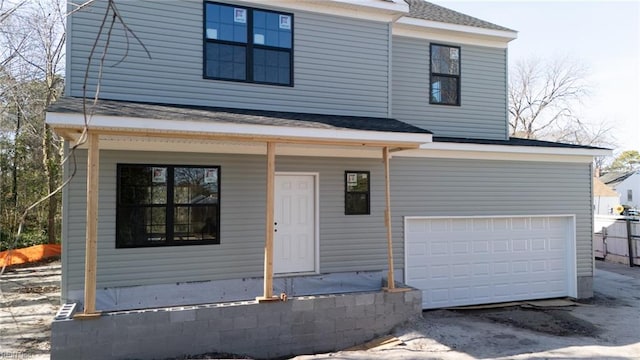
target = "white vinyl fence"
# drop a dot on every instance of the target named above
(614, 236)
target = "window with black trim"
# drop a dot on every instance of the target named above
(445, 75)
(165, 205)
(250, 45)
(357, 193)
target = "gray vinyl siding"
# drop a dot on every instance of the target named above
(453, 187)
(340, 64)
(483, 78)
(348, 243)
(420, 187)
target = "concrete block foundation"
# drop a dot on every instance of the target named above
(302, 325)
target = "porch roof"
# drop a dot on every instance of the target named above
(154, 119)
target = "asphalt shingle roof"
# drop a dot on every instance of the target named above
(514, 142)
(421, 9)
(236, 116)
(615, 177)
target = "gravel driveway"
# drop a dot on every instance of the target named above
(605, 327)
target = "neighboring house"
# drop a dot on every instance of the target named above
(627, 185)
(256, 151)
(605, 199)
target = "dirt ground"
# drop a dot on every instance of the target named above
(29, 299)
(605, 327)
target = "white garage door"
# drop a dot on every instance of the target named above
(459, 261)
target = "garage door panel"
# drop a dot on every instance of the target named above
(519, 224)
(417, 249)
(436, 226)
(460, 248)
(464, 261)
(439, 248)
(557, 243)
(481, 224)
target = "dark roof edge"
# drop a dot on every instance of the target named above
(71, 104)
(514, 142)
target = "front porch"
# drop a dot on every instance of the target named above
(338, 302)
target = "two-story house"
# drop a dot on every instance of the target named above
(240, 150)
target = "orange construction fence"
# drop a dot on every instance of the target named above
(30, 254)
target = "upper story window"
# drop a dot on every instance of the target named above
(161, 205)
(445, 75)
(250, 45)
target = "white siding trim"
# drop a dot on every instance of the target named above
(490, 148)
(446, 36)
(501, 155)
(500, 35)
(201, 127)
(362, 9)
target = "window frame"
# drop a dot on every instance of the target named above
(169, 207)
(346, 191)
(249, 46)
(458, 77)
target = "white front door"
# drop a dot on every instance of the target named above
(294, 248)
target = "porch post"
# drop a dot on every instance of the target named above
(268, 246)
(91, 251)
(387, 218)
(391, 284)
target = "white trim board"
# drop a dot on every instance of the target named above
(376, 10)
(503, 152)
(97, 122)
(503, 35)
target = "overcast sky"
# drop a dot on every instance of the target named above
(602, 35)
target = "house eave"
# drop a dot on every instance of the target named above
(503, 152)
(70, 125)
(420, 28)
(516, 149)
(376, 10)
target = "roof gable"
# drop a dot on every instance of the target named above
(420, 9)
(616, 177)
(601, 189)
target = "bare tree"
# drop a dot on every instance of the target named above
(543, 94)
(33, 37)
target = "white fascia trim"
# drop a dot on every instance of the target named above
(232, 129)
(460, 34)
(447, 37)
(362, 9)
(515, 149)
(389, 6)
(502, 34)
(503, 153)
